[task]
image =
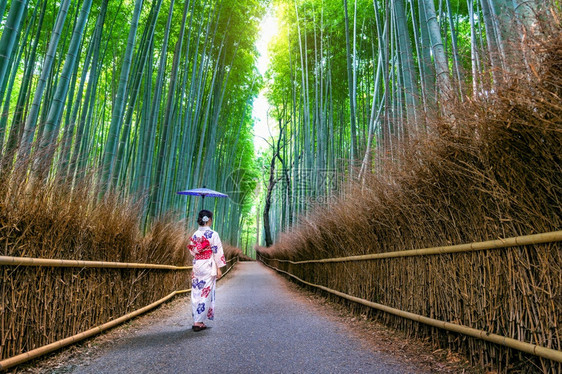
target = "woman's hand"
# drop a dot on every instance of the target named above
(219, 273)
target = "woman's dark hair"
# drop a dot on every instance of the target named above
(204, 213)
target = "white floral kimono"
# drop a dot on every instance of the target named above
(207, 252)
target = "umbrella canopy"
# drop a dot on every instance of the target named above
(203, 192)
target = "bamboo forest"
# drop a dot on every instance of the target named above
(150, 98)
(336, 128)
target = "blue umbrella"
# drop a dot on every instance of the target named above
(203, 192)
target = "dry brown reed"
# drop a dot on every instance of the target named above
(40, 305)
(232, 252)
(491, 169)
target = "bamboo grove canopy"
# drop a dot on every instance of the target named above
(143, 97)
(350, 82)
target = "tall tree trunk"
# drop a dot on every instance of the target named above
(272, 181)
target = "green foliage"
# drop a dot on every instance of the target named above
(207, 112)
(351, 101)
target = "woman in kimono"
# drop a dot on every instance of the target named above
(208, 258)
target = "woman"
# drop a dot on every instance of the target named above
(208, 258)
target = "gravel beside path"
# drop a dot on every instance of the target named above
(262, 326)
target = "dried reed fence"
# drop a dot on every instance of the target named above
(492, 168)
(92, 309)
(513, 338)
(73, 234)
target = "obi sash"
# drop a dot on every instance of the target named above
(205, 255)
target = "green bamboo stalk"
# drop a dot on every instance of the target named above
(165, 139)
(118, 108)
(492, 43)
(62, 171)
(16, 128)
(9, 35)
(155, 110)
(138, 71)
(31, 121)
(455, 52)
(147, 148)
(407, 67)
(353, 154)
(9, 83)
(78, 158)
(52, 125)
(437, 47)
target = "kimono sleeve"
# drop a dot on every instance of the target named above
(218, 252)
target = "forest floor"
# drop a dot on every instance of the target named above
(293, 330)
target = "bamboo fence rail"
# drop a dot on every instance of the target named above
(536, 350)
(230, 267)
(48, 348)
(28, 261)
(549, 237)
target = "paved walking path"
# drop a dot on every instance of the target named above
(262, 327)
